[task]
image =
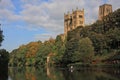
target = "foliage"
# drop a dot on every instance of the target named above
(44, 50)
(104, 36)
(4, 57)
(86, 50)
(1, 36)
(36, 53)
(24, 55)
(59, 49)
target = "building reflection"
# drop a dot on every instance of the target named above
(50, 73)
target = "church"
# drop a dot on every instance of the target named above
(77, 18)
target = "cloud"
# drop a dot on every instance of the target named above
(115, 3)
(44, 37)
(7, 13)
(49, 14)
(8, 17)
(6, 4)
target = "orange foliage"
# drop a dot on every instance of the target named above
(30, 76)
(32, 49)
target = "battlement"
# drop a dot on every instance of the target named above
(73, 20)
(104, 10)
(76, 18)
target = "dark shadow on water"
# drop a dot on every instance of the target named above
(92, 74)
(4, 73)
(51, 73)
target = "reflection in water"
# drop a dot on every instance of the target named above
(54, 74)
(3, 73)
(31, 73)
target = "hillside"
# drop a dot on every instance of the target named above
(96, 42)
(35, 53)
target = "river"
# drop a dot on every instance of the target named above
(31, 73)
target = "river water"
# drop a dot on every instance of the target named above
(31, 73)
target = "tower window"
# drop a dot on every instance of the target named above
(81, 22)
(80, 16)
(107, 10)
(74, 22)
(101, 12)
(74, 17)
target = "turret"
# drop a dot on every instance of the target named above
(73, 20)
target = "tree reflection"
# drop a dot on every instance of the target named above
(85, 74)
(54, 74)
(51, 73)
(3, 73)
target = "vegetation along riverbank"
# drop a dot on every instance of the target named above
(98, 43)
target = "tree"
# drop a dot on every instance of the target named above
(113, 38)
(4, 57)
(86, 50)
(99, 42)
(59, 49)
(1, 36)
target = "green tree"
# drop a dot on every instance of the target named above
(4, 57)
(86, 50)
(99, 42)
(113, 38)
(1, 36)
(59, 49)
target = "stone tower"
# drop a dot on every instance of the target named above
(104, 10)
(73, 20)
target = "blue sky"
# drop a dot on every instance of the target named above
(23, 21)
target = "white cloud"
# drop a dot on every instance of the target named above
(115, 3)
(7, 13)
(8, 16)
(45, 36)
(6, 4)
(50, 14)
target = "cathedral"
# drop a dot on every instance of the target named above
(104, 10)
(77, 18)
(73, 20)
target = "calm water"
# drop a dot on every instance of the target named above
(61, 74)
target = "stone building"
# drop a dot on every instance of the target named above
(77, 18)
(73, 20)
(104, 10)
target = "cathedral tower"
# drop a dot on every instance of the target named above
(73, 20)
(104, 10)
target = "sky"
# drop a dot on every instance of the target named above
(24, 21)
